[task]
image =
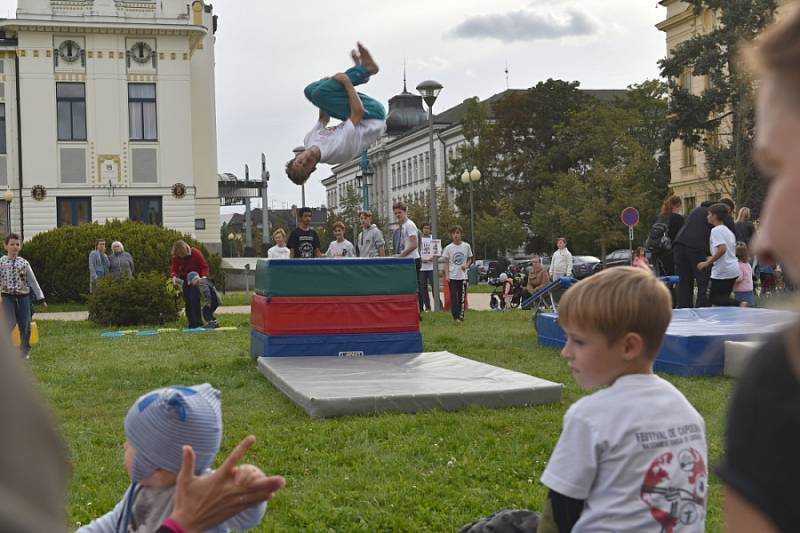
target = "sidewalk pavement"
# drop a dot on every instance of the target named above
(477, 302)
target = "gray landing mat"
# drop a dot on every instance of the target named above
(335, 386)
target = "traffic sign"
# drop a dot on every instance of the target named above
(630, 216)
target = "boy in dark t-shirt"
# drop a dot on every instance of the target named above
(304, 241)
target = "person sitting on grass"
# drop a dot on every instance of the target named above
(340, 247)
(157, 427)
(18, 286)
(631, 456)
(209, 298)
(363, 119)
(280, 250)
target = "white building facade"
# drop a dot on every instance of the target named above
(108, 112)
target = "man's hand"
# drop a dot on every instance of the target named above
(202, 502)
(342, 78)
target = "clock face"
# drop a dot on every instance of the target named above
(141, 52)
(69, 51)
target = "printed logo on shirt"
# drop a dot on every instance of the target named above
(459, 258)
(306, 246)
(674, 489)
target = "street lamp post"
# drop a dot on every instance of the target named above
(429, 90)
(8, 196)
(469, 177)
(265, 236)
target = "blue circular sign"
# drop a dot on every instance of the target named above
(630, 216)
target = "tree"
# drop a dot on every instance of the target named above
(611, 171)
(720, 121)
(498, 230)
(446, 214)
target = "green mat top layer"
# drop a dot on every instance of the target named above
(336, 277)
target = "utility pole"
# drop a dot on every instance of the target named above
(248, 222)
(265, 233)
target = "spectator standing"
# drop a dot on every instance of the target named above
(409, 233)
(370, 240)
(18, 286)
(690, 247)
(187, 259)
(120, 261)
(723, 263)
(426, 267)
(458, 255)
(745, 229)
(561, 262)
(304, 241)
(340, 247)
(743, 288)
(279, 251)
(99, 263)
(670, 215)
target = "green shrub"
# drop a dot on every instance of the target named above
(60, 257)
(133, 301)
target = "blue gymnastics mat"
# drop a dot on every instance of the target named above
(337, 386)
(337, 345)
(695, 340)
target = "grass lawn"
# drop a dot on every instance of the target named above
(432, 471)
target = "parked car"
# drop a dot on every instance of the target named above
(617, 258)
(483, 269)
(584, 266)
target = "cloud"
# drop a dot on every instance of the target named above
(525, 25)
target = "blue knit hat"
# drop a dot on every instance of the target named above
(191, 275)
(162, 421)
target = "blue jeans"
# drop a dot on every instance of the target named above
(17, 310)
(329, 96)
(745, 296)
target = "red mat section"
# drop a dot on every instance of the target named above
(312, 315)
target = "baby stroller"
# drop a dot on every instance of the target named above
(506, 288)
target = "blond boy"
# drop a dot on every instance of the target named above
(280, 250)
(340, 247)
(631, 456)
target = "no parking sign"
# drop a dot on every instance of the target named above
(630, 217)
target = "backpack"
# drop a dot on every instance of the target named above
(658, 240)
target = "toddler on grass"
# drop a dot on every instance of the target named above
(157, 427)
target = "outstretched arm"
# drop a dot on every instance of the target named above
(356, 107)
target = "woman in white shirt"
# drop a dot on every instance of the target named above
(723, 262)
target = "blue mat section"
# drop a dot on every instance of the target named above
(353, 345)
(695, 340)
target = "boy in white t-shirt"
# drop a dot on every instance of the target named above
(631, 456)
(425, 278)
(340, 247)
(458, 255)
(363, 119)
(723, 262)
(280, 250)
(409, 247)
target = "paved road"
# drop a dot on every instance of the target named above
(478, 302)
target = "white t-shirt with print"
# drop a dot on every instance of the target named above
(426, 252)
(278, 252)
(341, 249)
(457, 256)
(343, 142)
(727, 266)
(636, 453)
(408, 230)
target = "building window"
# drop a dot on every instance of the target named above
(3, 129)
(145, 209)
(142, 111)
(690, 202)
(688, 156)
(73, 210)
(71, 106)
(715, 196)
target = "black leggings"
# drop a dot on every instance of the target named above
(720, 292)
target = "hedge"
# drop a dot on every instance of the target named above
(133, 301)
(60, 257)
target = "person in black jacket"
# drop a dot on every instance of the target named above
(744, 226)
(690, 247)
(670, 215)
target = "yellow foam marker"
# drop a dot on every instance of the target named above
(226, 328)
(165, 330)
(34, 335)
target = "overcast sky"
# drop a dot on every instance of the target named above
(268, 51)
